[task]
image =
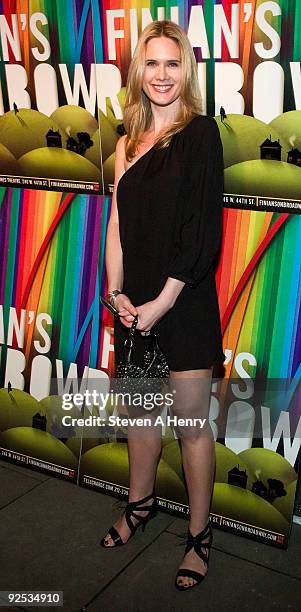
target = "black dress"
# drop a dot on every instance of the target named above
(170, 220)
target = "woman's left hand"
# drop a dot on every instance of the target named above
(148, 315)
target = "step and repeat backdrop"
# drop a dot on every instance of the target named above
(63, 69)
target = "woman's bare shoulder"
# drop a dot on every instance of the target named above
(120, 146)
(120, 156)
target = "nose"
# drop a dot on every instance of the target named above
(161, 71)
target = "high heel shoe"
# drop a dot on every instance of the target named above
(196, 542)
(130, 510)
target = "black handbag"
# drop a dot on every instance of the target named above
(131, 378)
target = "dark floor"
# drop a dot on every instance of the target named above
(49, 539)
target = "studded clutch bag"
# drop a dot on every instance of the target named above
(131, 378)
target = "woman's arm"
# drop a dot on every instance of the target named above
(151, 312)
(197, 241)
(113, 254)
(170, 292)
(198, 237)
(113, 257)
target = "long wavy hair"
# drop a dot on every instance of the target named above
(137, 111)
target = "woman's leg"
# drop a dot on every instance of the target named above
(144, 447)
(192, 399)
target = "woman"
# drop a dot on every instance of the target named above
(162, 241)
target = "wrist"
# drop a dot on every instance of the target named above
(170, 292)
(113, 288)
(112, 295)
(164, 302)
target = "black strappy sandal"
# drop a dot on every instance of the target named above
(129, 512)
(196, 542)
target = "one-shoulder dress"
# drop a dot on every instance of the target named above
(170, 221)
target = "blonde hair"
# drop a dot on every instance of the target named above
(137, 111)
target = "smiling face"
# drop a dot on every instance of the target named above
(162, 77)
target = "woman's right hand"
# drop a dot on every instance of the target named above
(127, 311)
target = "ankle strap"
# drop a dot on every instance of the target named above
(133, 507)
(197, 542)
(141, 501)
(200, 536)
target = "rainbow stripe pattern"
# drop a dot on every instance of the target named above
(262, 272)
(62, 244)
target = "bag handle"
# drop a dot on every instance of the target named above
(129, 343)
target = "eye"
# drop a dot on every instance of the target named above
(174, 64)
(150, 63)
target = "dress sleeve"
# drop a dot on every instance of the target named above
(198, 234)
